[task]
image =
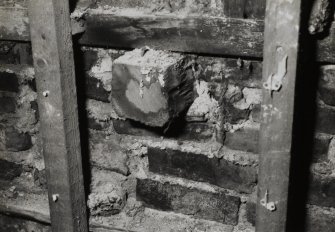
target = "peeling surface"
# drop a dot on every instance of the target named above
(102, 69)
(107, 195)
(100, 110)
(204, 105)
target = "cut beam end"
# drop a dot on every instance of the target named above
(151, 87)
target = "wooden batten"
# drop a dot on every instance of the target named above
(209, 35)
(57, 100)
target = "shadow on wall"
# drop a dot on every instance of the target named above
(304, 123)
(82, 114)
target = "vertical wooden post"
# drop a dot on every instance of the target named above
(282, 26)
(57, 98)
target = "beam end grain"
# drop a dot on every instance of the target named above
(152, 87)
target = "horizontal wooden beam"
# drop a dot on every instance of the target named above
(230, 36)
(208, 35)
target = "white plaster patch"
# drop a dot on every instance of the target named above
(101, 110)
(242, 104)
(204, 105)
(252, 96)
(161, 80)
(102, 70)
(331, 151)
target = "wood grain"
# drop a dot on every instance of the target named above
(208, 35)
(277, 113)
(54, 69)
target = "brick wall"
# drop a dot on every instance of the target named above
(199, 175)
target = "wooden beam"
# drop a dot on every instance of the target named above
(209, 35)
(55, 77)
(192, 34)
(279, 78)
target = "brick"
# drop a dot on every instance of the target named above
(234, 71)
(326, 87)
(243, 139)
(109, 155)
(9, 82)
(201, 168)
(197, 203)
(95, 89)
(107, 196)
(90, 57)
(256, 113)
(23, 53)
(320, 219)
(7, 55)
(95, 124)
(17, 141)
(325, 120)
(7, 105)
(184, 131)
(234, 115)
(40, 178)
(321, 191)
(320, 148)
(151, 87)
(327, 95)
(251, 212)
(9, 170)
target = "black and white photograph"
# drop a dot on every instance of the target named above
(167, 115)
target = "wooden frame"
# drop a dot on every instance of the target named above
(208, 35)
(50, 34)
(57, 99)
(282, 28)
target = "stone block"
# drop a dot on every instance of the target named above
(9, 170)
(16, 140)
(190, 201)
(9, 82)
(321, 190)
(109, 155)
(325, 120)
(7, 105)
(151, 87)
(201, 168)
